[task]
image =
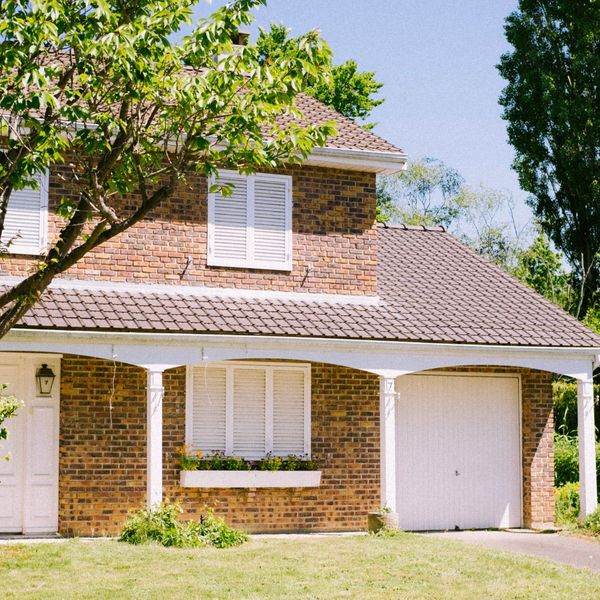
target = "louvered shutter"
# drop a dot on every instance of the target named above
(271, 222)
(228, 224)
(209, 408)
(249, 397)
(26, 222)
(288, 411)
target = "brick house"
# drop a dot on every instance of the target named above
(283, 320)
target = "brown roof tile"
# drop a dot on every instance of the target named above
(432, 287)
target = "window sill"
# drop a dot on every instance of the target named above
(250, 479)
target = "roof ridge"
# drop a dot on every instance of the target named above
(404, 227)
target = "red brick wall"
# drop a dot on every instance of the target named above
(538, 449)
(103, 455)
(103, 467)
(333, 226)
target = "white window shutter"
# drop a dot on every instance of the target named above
(288, 411)
(228, 223)
(249, 414)
(252, 228)
(208, 409)
(272, 232)
(26, 223)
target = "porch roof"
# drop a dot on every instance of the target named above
(432, 288)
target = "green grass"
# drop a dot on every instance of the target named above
(358, 567)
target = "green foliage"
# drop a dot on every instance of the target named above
(566, 502)
(162, 525)
(565, 406)
(541, 268)
(425, 194)
(100, 87)
(349, 91)
(592, 522)
(551, 104)
(213, 531)
(566, 460)
(592, 318)
(218, 461)
(8, 408)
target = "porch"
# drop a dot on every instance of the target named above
(123, 418)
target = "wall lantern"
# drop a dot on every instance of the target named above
(45, 379)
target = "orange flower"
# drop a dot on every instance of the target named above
(199, 454)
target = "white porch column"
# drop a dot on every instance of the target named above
(154, 426)
(387, 415)
(587, 451)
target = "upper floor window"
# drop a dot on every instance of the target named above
(26, 222)
(252, 228)
(249, 409)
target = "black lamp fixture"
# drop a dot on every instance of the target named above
(45, 379)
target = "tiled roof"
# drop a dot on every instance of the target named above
(350, 136)
(432, 288)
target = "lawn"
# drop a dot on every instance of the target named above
(363, 567)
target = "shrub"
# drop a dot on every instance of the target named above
(565, 406)
(592, 523)
(566, 502)
(566, 460)
(215, 532)
(162, 526)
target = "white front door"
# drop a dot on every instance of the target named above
(12, 470)
(29, 476)
(458, 441)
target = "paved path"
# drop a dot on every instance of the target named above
(560, 548)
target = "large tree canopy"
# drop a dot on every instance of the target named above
(99, 88)
(551, 103)
(350, 91)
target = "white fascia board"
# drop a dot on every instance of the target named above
(385, 358)
(382, 163)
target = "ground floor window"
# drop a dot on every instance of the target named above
(249, 409)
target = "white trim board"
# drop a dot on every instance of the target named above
(385, 358)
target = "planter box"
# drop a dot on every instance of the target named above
(250, 479)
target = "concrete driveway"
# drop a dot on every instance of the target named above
(553, 546)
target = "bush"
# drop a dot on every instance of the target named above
(592, 523)
(565, 406)
(566, 461)
(162, 526)
(566, 502)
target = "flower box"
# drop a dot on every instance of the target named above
(250, 479)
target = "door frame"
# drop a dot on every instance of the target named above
(27, 364)
(480, 374)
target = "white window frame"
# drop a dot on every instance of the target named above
(250, 262)
(268, 367)
(37, 250)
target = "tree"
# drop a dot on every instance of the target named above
(540, 267)
(551, 105)
(430, 193)
(349, 91)
(98, 88)
(425, 194)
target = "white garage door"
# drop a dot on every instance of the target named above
(458, 441)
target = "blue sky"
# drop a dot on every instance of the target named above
(437, 62)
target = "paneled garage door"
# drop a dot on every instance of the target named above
(458, 441)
